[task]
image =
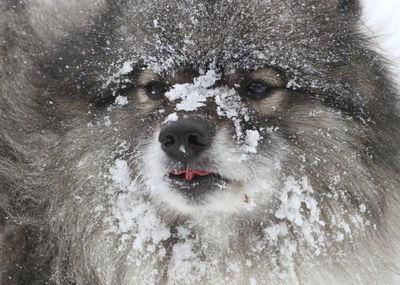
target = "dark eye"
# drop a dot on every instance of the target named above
(257, 90)
(155, 89)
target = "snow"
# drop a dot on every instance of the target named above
(134, 216)
(252, 138)
(171, 118)
(294, 195)
(276, 230)
(121, 100)
(253, 281)
(193, 95)
(107, 121)
(126, 67)
(120, 173)
(229, 105)
(363, 208)
(184, 261)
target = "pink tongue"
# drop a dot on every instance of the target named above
(190, 174)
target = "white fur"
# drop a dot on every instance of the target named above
(248, 177)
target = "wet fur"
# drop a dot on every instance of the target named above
(54, 165)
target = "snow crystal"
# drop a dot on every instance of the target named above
(123, 147)
(121, 173)
(207, 80)
(182, 251)
(171, 118)
(155, 23)
(121, 100)
(125, 69)
(275, 231)
(233, 267)
(107, 121)
(185, 263)
(253, 281)
(229, 105)
(251, 141)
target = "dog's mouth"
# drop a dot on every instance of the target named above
(194, 184)
(189, 175)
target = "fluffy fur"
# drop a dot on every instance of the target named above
(84, 193)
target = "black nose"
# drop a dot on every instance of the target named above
(185, 139)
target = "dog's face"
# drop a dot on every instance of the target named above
(216, 110)
(182, 121)
(222, 106)
(213, 145)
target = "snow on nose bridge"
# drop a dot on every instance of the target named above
(194, 95)
(189, 97)
(222, 101)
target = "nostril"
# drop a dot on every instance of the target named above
(197, 140)
(169, 141)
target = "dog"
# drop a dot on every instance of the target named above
(196, 142)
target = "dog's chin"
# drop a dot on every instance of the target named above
(203, 197)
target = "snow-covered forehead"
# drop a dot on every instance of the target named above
(248, 36)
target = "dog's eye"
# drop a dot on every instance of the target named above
(257, 90)
(155, 89)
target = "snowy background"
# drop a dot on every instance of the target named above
(383, 19)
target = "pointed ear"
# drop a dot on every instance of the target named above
(352, 6)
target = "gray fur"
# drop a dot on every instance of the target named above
(56, 151)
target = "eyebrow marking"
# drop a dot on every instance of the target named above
(268, 75)
(147, 76)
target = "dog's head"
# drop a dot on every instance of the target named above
(230, 104)
(219, 106)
